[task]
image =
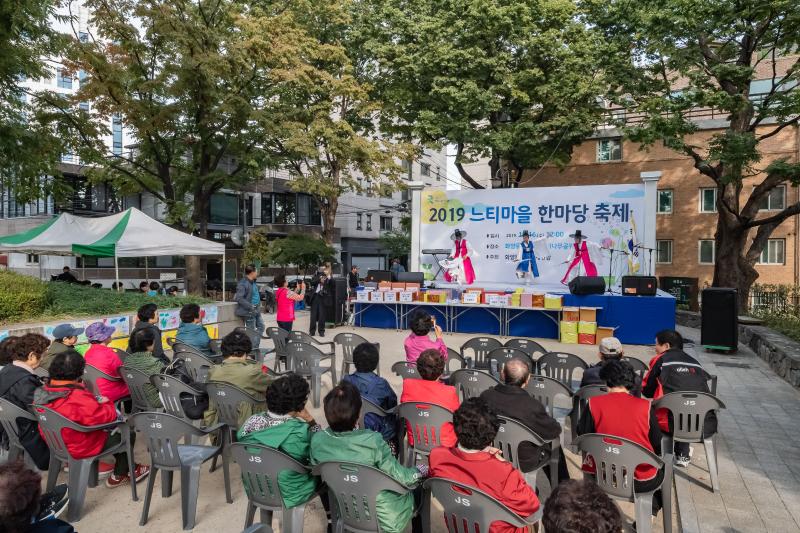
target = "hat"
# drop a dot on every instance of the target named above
(98, 331)
(610, 346)
(577, 235)
(460, 231)
(525, 233)
(62, 331)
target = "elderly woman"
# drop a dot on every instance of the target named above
(105, 359)
(418, 340)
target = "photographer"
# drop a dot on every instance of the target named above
(318, 298)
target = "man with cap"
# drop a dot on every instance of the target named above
(65, 337)
(610, 348)
(584, 255)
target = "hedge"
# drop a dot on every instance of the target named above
(21, 297)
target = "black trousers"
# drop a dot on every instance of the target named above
(317, 322)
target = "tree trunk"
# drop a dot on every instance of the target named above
(732, 268)
(195, 263)
(328, 211)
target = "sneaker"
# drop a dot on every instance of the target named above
(139, 474)
(682, 460)
(53, 503)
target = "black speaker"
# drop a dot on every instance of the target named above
(411, 277)
(587, 285)
(719, 321)
(379, 275)
(639, 285)
(335, 312)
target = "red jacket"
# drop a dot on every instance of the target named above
(420, 390)
(104, 358)
(497, 478)
(74, 402)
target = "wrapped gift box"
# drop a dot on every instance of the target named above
(407, 296)
(385, 285)
(604, 332)
(590, 328)
(553, 301)
(363, 296)
(436, 296)
(390, 296)
(377, 296)
(588, 314)
(586, 338)
(470, 297)
(569, 338)
(568, 327)
(570, 314)
(398, 286)
(487, 294)
(526, 299)
(413, 286)
(537, 300)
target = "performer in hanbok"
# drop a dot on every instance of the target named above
(583, 259)
(526, 256)
(458, 267)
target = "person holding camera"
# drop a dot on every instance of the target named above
(318, 299)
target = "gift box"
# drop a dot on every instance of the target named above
(413, 286)
(385, 285)
(588, 314)
(496, 299)
(553, 301)
(568, 327)
(398, 286)
(376, 296)
(526, 299)
(363, 296)
(470, 297)
(436, 296)
(516, 299)
(589, 328)
(569, 338)
(537, 300)
(586, 338)
(487, 294)
(570, 314)
(390, 296)
(407, 296)
(603, 332)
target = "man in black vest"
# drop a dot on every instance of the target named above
(319, 298)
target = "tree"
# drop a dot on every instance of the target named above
(513, 80)
(304, 251)
(675, 56)
(193, 81)
(397, 242)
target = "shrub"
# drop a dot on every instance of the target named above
(21, 296)
(784, 323)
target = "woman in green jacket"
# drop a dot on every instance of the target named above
(286, 426)
(141, 346)
(343, 442)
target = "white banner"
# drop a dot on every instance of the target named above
(609, 217)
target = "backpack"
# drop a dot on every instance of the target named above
(194, 406)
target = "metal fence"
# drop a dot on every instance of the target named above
(784, 301)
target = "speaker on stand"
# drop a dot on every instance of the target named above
(335, 312)
(719, 319)
(583, 285)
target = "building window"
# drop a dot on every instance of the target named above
(708, 200)
(406, 166)
(773, 253)
(609, 150)
(665, 201)
(775, 200)
(116, 130)
(386, 223)
(32, 259)
(706, 252)
(83, 36)
(358, 221)
(67, 158)
(84, 106)
(266, 208)
(369, 222)
(425, 169)
(63, 80)
(285, 208)
(224, 209)
(664, 252)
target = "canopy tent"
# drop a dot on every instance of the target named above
(130, 233)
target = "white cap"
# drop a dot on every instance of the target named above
(610, 346)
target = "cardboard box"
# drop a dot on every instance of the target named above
(526, 299)
(438, 297)
(376, 296)
(587, 327)
(385, 285)
(568, 327)
(487, 294)
(496, 299)
(363, 296)
(390, 296)
(470, 297)
(398, 286)
(588, 314)
(553, 301)
(570, 314)
(407, 296)
(603, 332)
(569, 338)
(537, 300)
(586, 338)
(413, 286)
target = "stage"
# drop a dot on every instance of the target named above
(637, 318)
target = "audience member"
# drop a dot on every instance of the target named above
(417, 341)
(352, 280)
(66, 394)
(154, 288)
(66, 276)
(102, 357)
(238, 370)
(23, 507)
(144, 287)
(375, 389)
(191, 331)
(173, 291)
(610, 348)
(623, 415)
(65, 337)
(248, 300)
(343, 442)
(6, 350)
(396, 268)
(147, 318)
(477, 464)
(18, 382)
(673, 370)
(580, 507)
(286, 426)
(285, 299)
(143, 358)
(429, 389)
(512, 400)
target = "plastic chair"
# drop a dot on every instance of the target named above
(406, 370)
(369, 407)
(170, 389)
(532, 348)
(498, 357)
(137, 382)
(452, 356)
(348, 342)
(480, 346)
(122, 354)
(279, 338)
(615, 461)
(639, 366)
(560, 366)
(9, 414)
(425, 421)
(82, 472)
(580, 402)
(471, 383)
(355, 488)
(305, 360)
(163, 431)
(258, 528)
(261, 466)
(41, 372)
(301, 336)
(689, 410)
(512, 433)
(469, 510)
(545, 390)
(179, 347)
(197, 366)
(90, 376)
(255, 337)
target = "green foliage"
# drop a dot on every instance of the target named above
(304, 251)
(21, 297)
(397, 243)
(256, 249)
(784, 323)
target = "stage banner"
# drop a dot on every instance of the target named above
(493, 222)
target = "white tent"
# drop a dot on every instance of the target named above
(127, 234)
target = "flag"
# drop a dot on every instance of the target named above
(633, 250)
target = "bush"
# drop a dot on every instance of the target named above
(21, 296)
(784, 323)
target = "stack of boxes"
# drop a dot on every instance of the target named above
(587, 326)
(579, 325)
(389, 293)
(570, 317)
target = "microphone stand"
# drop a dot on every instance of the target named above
(612, 251)
(650, 251)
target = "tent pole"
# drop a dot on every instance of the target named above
(146, 270)
(223, 276)
(116, 272)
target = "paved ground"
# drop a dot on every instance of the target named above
(106, 510)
